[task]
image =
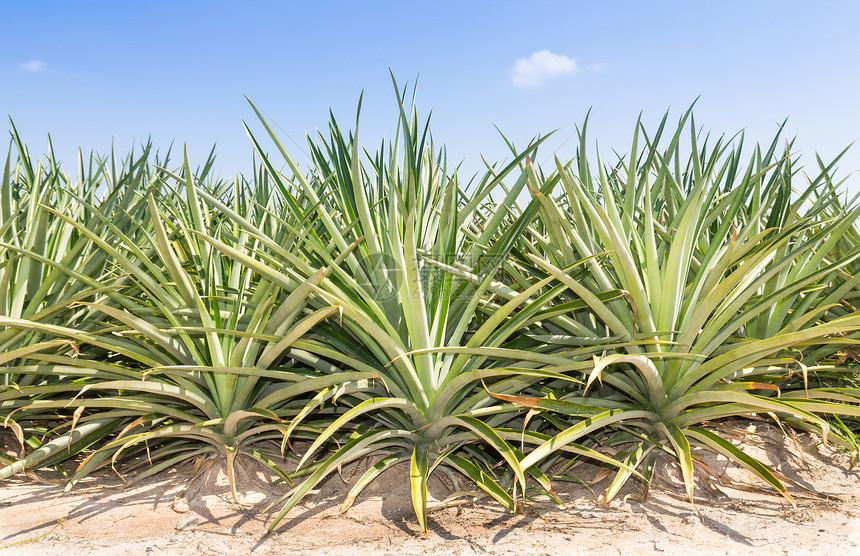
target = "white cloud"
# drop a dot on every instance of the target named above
(34, 66)
(541, 67)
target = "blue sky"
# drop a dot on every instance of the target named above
(94, 72)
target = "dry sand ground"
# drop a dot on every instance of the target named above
(150, 518)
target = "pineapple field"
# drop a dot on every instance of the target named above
(378, 310)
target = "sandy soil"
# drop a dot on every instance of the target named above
(732, 514)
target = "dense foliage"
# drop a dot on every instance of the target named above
(373, 305)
